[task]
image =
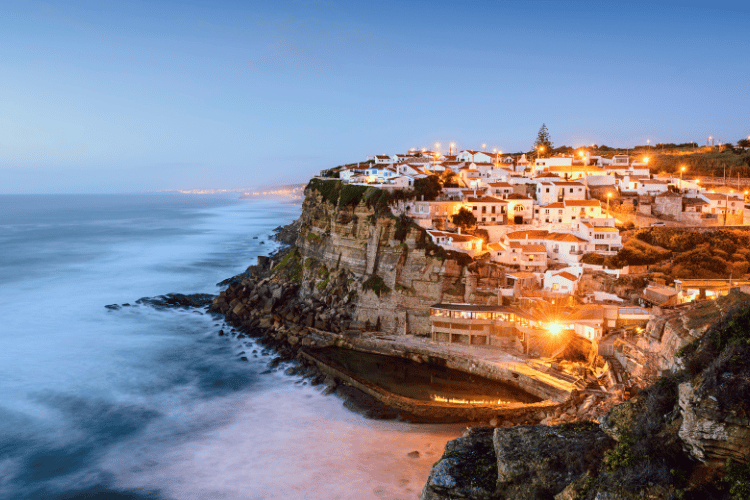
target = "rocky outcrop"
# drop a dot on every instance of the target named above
(369, 243)
(710, 433)
(669, 331)
(525, 462)
(672, 440)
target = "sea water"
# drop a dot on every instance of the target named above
(141, 403)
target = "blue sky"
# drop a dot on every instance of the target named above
(131, 96)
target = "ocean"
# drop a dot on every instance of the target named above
(141, 403)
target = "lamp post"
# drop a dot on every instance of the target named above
(609, 195)
(682, 171)
(726, 207)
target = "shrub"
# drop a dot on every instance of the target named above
(376, 284)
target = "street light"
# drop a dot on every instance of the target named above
(453, 145)
(726, 207)
(682, 170)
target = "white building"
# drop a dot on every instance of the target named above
(561, 282)
(459, 242)
(526, 257)
(551, 192)
(569, 211)
(488, 209)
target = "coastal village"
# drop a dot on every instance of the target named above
(547, 224)
(590, 312)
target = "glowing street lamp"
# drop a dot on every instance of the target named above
(437, 146)
(682, 171)
(484, 147)
(554, 328)
(541, 150)
(453, 145)
(726, 207)
(645, 159)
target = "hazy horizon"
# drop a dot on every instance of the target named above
(136, 96)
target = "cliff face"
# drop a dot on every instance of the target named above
(667, 334)
(356, 239)
(672, 440)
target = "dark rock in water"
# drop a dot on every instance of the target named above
(244, 358)
(274, 362)
(262, 242)
(255, 237)
(221, 333)
(126, 305)
(172, 300)
(113, 307)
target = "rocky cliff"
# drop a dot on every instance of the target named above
(396, 271)
(686, 436)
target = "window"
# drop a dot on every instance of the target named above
(546, 211)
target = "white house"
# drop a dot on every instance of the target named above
(527, 257)
(520, 209)
(605, 239)
(551, 192)
(500, 189)
(562, 282)
(545, 163)
(569, 211)
(459, 242)
(470, 155)
(565, 247)
(488, 209)
(719, 203)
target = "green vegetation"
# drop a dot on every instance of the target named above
(543, 141)
(427, 188)
(636, 253)
(702, 255)
(340, 194)
(705, 162)
(464, 219)
(376, 284)
(738, 479)
(313, 238)
(290, 267)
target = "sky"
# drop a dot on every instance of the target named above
(129, 96)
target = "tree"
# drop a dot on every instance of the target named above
(543, 140)
(744, 143)
(429, 187)
(464, 219)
